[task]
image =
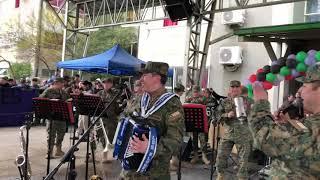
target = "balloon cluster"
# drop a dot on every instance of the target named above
(283, 69)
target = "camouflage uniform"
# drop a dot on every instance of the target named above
(179, 89)
(169, 122)
(295, 154)
(235, 134)
(111, 115)
(58, 128)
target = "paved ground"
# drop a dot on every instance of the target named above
(10, 148)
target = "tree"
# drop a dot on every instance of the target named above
(106, 38)
(21, 70)
(24, 38)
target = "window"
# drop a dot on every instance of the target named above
(312, 11)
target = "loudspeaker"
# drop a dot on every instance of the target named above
(179, 9)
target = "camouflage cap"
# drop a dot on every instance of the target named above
(179, 87)
(156, 67)
(235, 83)
(58, 79)
(313, 74)
(196, 88)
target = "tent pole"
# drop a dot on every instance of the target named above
(65, 35)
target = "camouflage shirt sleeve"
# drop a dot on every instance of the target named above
(221, 112)
(44, 93)
(273, 139)
(173, 134)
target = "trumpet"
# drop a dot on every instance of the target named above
(21, 160)
(101, 126)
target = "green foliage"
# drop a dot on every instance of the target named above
(106, 38)
(21, 70)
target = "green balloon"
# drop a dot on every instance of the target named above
(250, 91)
(271, 77)
(301, 56)
(317, 56)
(301, 67)
(285, 71)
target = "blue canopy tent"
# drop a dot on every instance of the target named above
(115, 61)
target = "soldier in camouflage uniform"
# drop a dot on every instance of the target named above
(135, 99)
(110, 118)
(174, 162)
(236, 133)
(58, 128)
(179, 89)
(168, 119)
(295, 154)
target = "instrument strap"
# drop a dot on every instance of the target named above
(145, 100)
(120, 135)
(151, 151)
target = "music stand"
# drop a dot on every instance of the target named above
(195, 118)
(53, 110)
(71, 150)
(89, 105)
(196, 121)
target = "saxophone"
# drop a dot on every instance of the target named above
(21, 160)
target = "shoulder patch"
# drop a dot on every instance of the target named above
(175, 116)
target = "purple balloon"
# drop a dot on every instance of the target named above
(312, 52)
(291, 56)
(246, 82)
(310, 60)
(295, 73)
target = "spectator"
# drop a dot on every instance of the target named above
(23, 84)
(77, 78)
(12, 82)
(66, 79)
(97, 86)
(35, 83)
(4, 82)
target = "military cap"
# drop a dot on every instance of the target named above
(86, 83)
(108, 80)
(179, 87)
(313, 74)
(58, 79)
(156, 67)
(235, 83)
(196, 88)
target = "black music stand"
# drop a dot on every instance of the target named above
(53, 110)
(196, 121)
(89, 105)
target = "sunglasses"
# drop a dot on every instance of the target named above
(234, 86)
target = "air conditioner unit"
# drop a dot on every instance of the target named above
(233, 17)
(230, 55)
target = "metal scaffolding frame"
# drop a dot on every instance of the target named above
(83, 16)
